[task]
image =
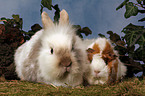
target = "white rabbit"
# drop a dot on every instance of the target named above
(105, 64)
(54, 55)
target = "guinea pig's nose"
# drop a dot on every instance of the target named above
(97, 72)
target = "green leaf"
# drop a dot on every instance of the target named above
(86, 31)
(131, 10)
(134, 35)
(16, 17)
(57, 13)
(141, 40)
(141, 20)
(122, 4)
(21, 23)
(101, 35)
(80, 30)
(141, 11)
(3, 18)
(113, 36)
(78, 27)
(36, 27)
(47, 4)
(139, 54)
(17, 21)
(139, 1)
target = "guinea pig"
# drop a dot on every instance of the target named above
(104, 62)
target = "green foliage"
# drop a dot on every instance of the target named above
(57, 15)
(122, 4)
(134, 35)
(139, 1)
(34, 29)
(84, 30)
(10, 38)
(49, 6)
(16, 21)
(132, 9)
(131, 46)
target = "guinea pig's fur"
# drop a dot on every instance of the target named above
(54, 55)
(104, 62)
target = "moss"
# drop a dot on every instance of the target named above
(128, 87)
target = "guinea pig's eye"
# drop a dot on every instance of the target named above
(51, 50)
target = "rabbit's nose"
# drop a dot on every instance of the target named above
(69, 64)
(66, 65)
(66, 62)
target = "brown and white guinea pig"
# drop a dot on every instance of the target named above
(104, 62)
(54, 55)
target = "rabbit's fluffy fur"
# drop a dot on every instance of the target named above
(54, 55)
(105, 64)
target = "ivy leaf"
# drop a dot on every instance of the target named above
(122, 4)
(77, 27)
(139, 54)
(80, 30)
(141, 40)
(47, 4)
(113, 36)
(86, 31)
(101, 35)
(141, 20)
(57, 13)
(134, 35)
(120, 43)
(36, 27)
(131, 10)
(139, 1)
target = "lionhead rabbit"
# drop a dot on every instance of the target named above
(54, 55)
(105, 64)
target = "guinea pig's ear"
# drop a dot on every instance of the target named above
(46, 21)
(90, 50)
(64, 18)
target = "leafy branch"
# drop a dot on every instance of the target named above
(131, 46)
(48, 4)
(132, 9)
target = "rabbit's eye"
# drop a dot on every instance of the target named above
(51, 50)
(72, 48)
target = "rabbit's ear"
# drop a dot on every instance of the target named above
(64, 18)
(46, 21)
